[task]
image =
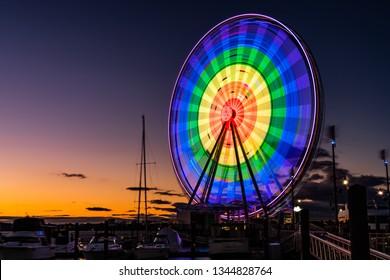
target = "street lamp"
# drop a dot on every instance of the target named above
(383, 157)
(297, 209)
(345, 182)
(292, 198)
(332, 136)
(343, 214)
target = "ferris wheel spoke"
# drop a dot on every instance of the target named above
(207, 163)
(250, 171)
(240, 173)
(213, 169)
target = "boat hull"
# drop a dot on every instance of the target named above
(100, 255)
(27, 252)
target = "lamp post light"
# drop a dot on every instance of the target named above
(345, 185)
(385, 162)
(388, 190)
(297, 208)
(380, 194)
(343, 213)
(345, 182)
(332, 136)
(292, 198)
(336, 210)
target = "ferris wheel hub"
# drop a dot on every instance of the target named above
(227, 113)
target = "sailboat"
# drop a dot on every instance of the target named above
(159, 248)
(94, 250)
(142, 179)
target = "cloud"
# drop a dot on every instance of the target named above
(322, 153)
(120, 215)
(167, 209)
(71, 175)
(306, 200)
(316, 193)
(159, 201)
(142, 189)
(169, 193)
(370, 180)
(130, 211)
(153, 217)
(98, 209)
(142, 215)
(316, 177)
(168, 216)
(179, 204)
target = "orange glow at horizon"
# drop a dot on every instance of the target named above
(34, 185)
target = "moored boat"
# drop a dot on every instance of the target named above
(172, 237)
(27, 241)
(94, 250)
(65, 243)
(166, 242)
(158, 249)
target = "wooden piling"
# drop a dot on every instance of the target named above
(106, 239)
(76, 241)
(305, 234)
(357, 206)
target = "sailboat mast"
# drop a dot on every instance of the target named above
(142, 172)
(143, 161)
(140, 187)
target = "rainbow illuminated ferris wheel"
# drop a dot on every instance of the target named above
(245, 112)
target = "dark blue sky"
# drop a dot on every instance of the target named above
(76, 76)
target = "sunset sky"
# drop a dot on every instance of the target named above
(76, 77)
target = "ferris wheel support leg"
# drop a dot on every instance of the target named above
(213, 167)
(240, 175)
(251, 173)
(207, 164)
(210, 180)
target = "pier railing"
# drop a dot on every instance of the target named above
(324, 249)
(380, 242)
(327, 246)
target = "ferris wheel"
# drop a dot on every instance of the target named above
(245, 115)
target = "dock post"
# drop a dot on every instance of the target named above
(266, 239)
(106, 240)
(305, 235)
(193, 240)
(76, 241)
(357, 205)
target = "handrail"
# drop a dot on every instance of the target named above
(325, 250)
(327, 246)
(376, 255)
(339, 239)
